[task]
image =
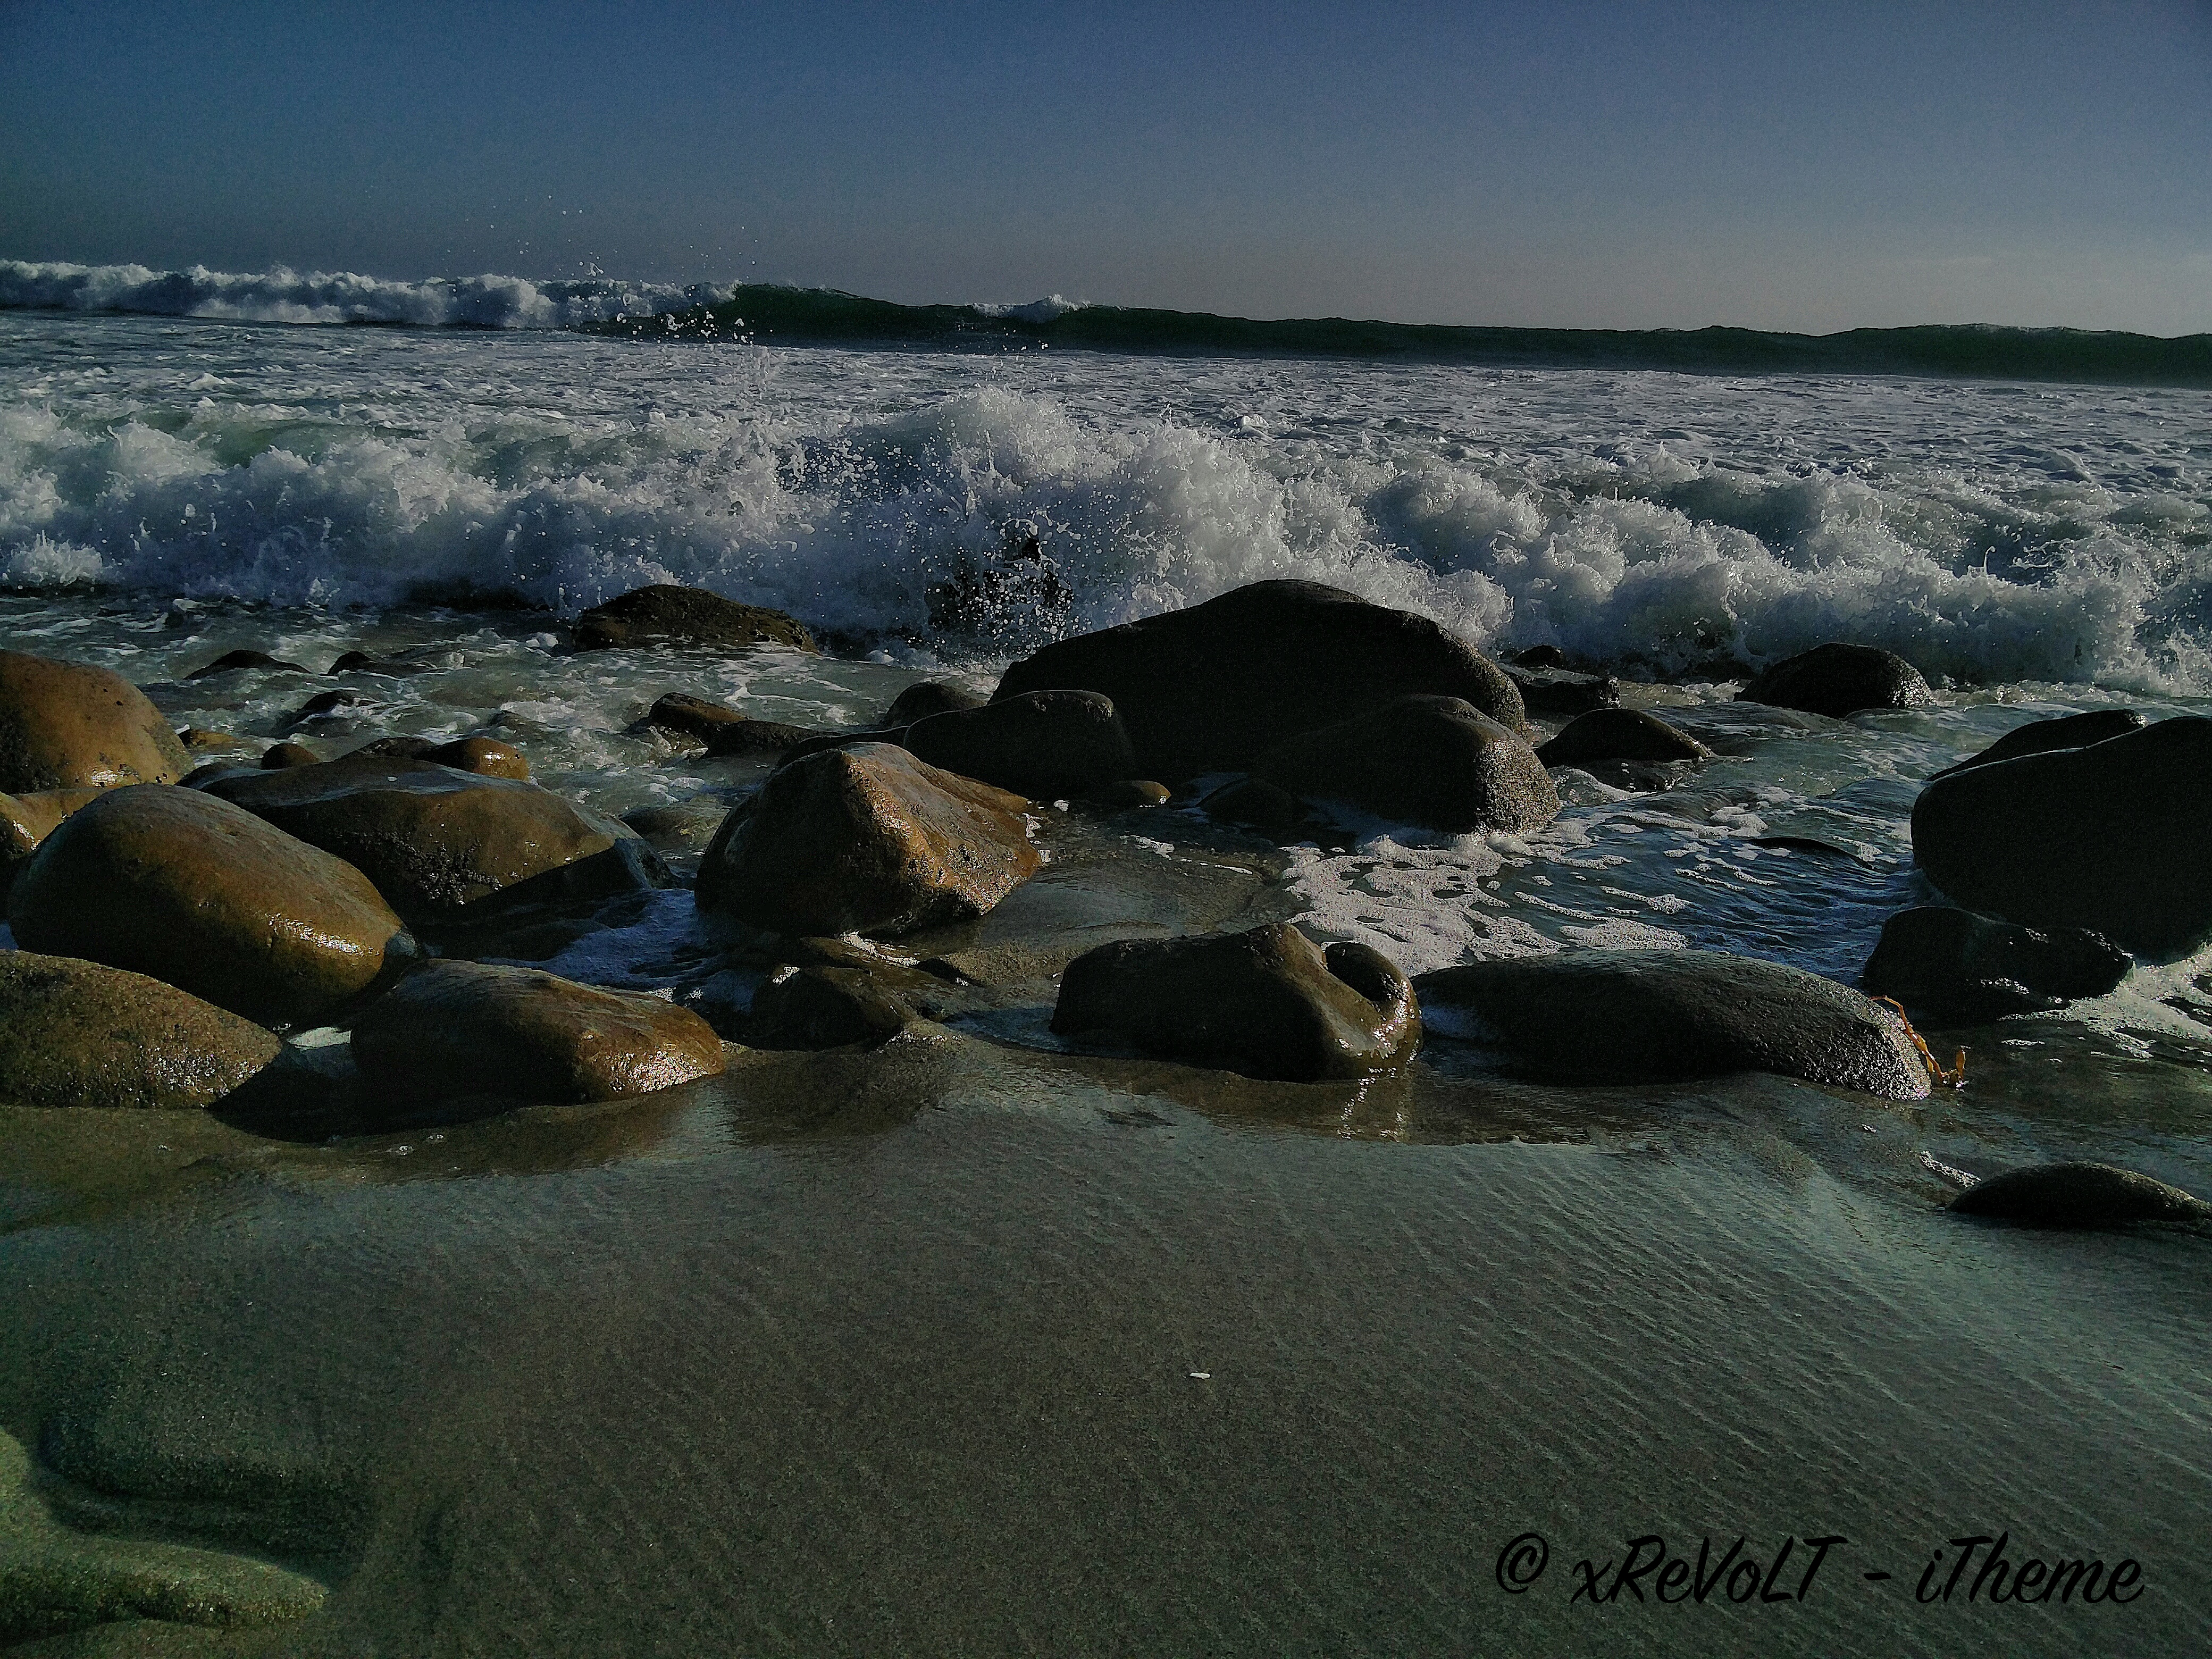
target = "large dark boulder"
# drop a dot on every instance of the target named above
(2080, 1195)
(1046, 745)
(1268, 1003)
(1661, 1016)
(664, 614)
(1562, 691)
(1620, 734)
(1432, 761)
(464, 1028)
(79, 1034)
(723, 729)
(1837, 680)
(2116, 837)
(867, 840)
(443, 845)
(926, 697)
(487, 757)
(1213, 686)
(1953, 965)
(2062, 732)
(70, 725)
(189, 889)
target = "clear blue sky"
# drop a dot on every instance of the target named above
(1812, 167)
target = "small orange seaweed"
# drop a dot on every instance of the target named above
(1954, 1078)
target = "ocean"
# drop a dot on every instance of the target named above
(937, 1351)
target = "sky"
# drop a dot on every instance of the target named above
(1772, 165)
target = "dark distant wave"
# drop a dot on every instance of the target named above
(815, 316)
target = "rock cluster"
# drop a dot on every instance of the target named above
(1837, 680)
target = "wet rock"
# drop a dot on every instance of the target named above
(1213, 686)
(360, 662)
(189, 889)
(278, 756)
(2080, 1195)
(1046, 745)
(825, 740)
(442, 845)
(1268, 1003)
(69, 726)
(1539, 656)
(1254, 803)
(1563, 691)
(690, 717)
(1837, 679)
(197, 739)
(751, 737)
(679, 826)
(867, 840)
(1125, 795)
(1954, 965)
(232, 661)
(2116, 837)
(1660, 1016)
(487, 757)
(926, 697)
(328, 707)
(825, 1007)
(27, 820)
(1620, 734)
(75, 1033)
(663, 614)
(465, 1028)
(200, 776)
(725, 731)
(2065, 731)
(1432, 761)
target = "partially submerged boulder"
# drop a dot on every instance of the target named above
(443, 845)
(2080, 1195)
(274, 758)
(1662, 1015)
(2116, 837)
(2061, 732)
(1432, 761)
(1837, 679)
(664, 614)
(1266, 1003)
(1562, 691)
(1620, 734)
(465, 1028)
(75, 1033)
(488, 757)
(70, 725)
(1255, 804)
(926, 697)
(1046, 745)
(1213, 687)
(867, 840)
(234, 661)
(1954, 965)
(823, 1006)
(190, 889)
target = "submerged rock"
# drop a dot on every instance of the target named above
(1255, 804)
(1268, 1003)
(189, 889)
(1837, 679)
(464, 1028)
(1660, 1016)
(691, 717)
(1564, 691)
(232, 661)
(823, 1006)
(1432, 761)
(487, 757)
(2080, 1195)
(442, 845)
(1620, 734)
(1046, 745)
(1954, 965)
(75, 1033)
(867, 840)
(2116, 837)
(926, 697)
(664, 614)
(1213, 686)
(360, 662)
(2063, 732)
(70, 725)
(27, 820)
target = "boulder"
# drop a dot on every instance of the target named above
(1124, 795)
(324, 704)
(1213, 687)
(723, 730)
(276, 758)
(823, 1006)
(1620, 734)
(443, 845)
(1661, 1016)
(926, 697)
(78, 1034)
(464, 1028)
(1837, 680)
(1564, 691)
(70, 725)
(231, 661)
(187, 887)
(690, 717)
(1268, 1003)
(488, 757)
(2064, 731)
(747, 736)
(1046, 745)
(1539, 656)
(1953, 965)
(198, 740)
(28, 819)
(1432, 761)
(663, 614)
(866, 840)
(1254, 803)
(360, 662)
(2080, 1195)
(2116, 837)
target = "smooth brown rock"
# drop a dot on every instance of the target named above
(197, 739)
(866, 840)
(1266, 1003)
(664, 614)
(1620, 734)
(186, 887)
(28, 819)
(1213, 687)
(1837, 679)
(726, 731)
(824, 1007)
(1046, 745)
(2080, 1195)
(78, 1034)
(487, 757)
(1436, 762)
(690, 716)
(278, 756)
(70, 725)
(465, 1028)
(441, 844)
(926, 697)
